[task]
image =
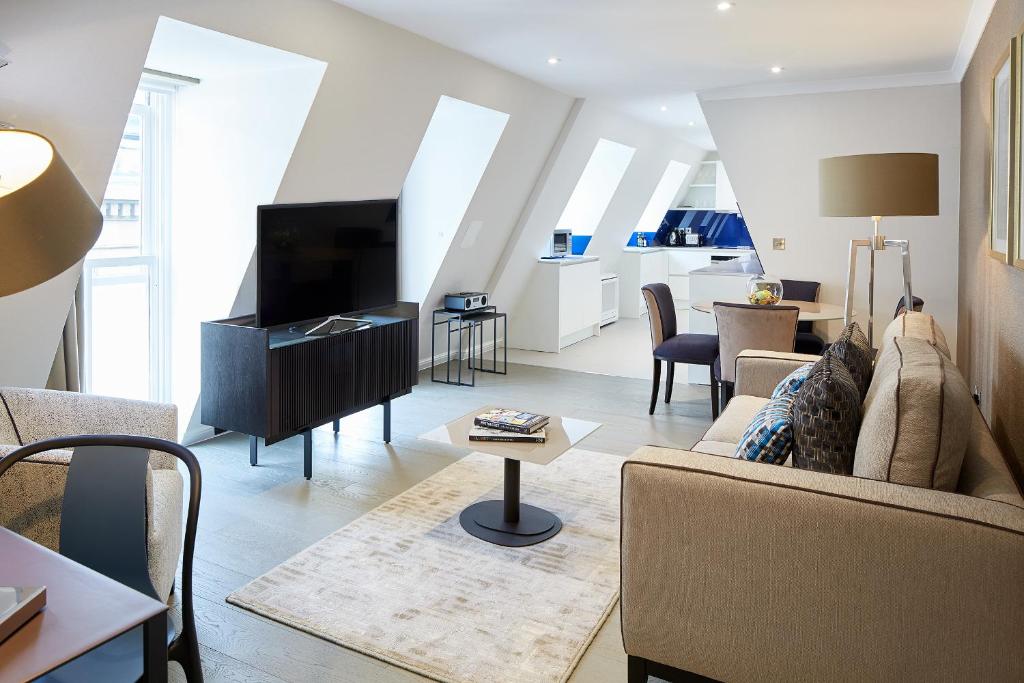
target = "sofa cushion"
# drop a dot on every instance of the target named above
(917, 326)
(732, 423)
(792, 382)
(826, 419)
(917, 418)
(854, 350)
(769, 436)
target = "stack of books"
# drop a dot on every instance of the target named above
(512, 426)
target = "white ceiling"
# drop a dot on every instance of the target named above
(641, 55)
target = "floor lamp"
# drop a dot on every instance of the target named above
(877, 185)
(47, 220)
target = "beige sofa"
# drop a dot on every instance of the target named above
(741, 571)
(31, 493)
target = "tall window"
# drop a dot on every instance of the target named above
(125, 274)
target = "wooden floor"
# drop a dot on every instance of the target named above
(254, 518)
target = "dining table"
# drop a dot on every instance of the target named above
(810, 311)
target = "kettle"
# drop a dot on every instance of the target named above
(673, 237)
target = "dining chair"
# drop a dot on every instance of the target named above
(901, 305)
(747, 326)
(103, 527)
(671, 347)
(804, 290)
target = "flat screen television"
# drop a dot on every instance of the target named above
(323, 259)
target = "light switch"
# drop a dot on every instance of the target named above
(779, 243)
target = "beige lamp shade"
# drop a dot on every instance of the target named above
(47, 220)
(879, 185)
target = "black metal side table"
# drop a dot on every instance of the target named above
(460, 322)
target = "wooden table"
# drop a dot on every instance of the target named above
(84, 610)
(509, 522)
(810, 311)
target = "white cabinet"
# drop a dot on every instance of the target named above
(680, 262)
(560, 306)
(638, 267)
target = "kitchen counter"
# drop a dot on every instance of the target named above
(695, 250)
(568, 260)
(736, 268)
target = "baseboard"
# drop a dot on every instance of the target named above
(425, 363)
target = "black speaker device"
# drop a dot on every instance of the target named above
(465, 301)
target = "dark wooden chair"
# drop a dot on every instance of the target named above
(901, 305)
(103, 526)
(804, 290)
(672, 348)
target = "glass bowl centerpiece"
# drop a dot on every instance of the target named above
(764, 290)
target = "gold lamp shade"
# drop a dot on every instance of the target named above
(47, 220)
(879, 185)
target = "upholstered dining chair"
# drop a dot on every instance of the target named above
(106, 502)
(672, 348)
(804, 290)
(901, 305)
(746, 326)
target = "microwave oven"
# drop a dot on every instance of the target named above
(561, 243)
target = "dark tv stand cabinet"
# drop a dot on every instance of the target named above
(275, 383)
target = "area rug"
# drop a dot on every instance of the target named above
(405, 584)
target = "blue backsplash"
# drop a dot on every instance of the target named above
(579, 244)
(718, 229)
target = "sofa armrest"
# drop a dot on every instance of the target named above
(759, 372)
(44, 414)
(744, 571)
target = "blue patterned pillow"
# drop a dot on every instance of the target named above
(793, 381)
(769, 437)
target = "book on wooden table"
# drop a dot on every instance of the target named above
(18, 604)
(488, 434)
(507, 420)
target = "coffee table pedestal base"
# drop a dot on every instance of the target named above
(509, 522)
(486, 521)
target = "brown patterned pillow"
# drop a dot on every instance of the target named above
(826, 419)
(855, 352)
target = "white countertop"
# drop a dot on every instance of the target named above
(568, 260)
(715, 250)
(744, 269)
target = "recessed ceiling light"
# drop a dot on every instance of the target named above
(663, 108)
(692, 123)
(776, 69)
(553, 60)
(724, 6)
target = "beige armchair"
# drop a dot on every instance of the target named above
(31, 493)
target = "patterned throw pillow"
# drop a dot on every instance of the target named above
(769, 437)
(826, 419)
(854, 350)
(793, 381)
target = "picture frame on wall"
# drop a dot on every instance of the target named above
(1017, 145)
(1000, 174)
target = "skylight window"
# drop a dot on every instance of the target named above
(594, 191)
(442, 180)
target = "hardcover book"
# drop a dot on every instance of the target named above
(488, 434)
(511, 420)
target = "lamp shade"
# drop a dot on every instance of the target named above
(879, 185)
(47, 220)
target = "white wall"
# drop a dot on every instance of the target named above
(444, 176)
(771, 147)
(664, 196)
(232, 137)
